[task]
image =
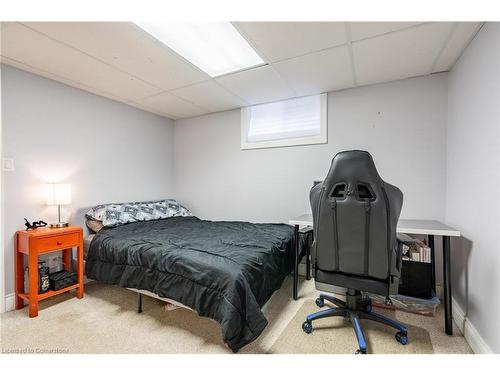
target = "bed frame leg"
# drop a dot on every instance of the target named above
(139, 304)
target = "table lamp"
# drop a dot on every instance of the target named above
(58, 194)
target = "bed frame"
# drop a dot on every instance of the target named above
(140, 292)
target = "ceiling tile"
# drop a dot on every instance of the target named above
(318, 72)
(258, 85)
(127, 47)
(34, 49)
(210, 95)
(152, 110)
(403, 54)
(31, 69)
(170, 104)
(459, 40)
(282, 40)
(362, 30)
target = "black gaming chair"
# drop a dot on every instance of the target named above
(355, 214)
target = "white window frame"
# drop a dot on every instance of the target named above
(299, 141)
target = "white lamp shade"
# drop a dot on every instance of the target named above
(58, 194)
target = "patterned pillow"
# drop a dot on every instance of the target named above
(96, 213)
(116, 214)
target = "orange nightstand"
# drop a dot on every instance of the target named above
(41, 241)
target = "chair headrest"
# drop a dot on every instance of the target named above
(352, 167)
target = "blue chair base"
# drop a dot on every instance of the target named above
(355, 308)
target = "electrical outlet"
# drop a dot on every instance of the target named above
(8, 164)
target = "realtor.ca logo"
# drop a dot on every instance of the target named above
(34, 351)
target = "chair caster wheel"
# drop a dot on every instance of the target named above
(307, 327)
(402, 338)
(368, 307)
(320, 302)
(360, 351)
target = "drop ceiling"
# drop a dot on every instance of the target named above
(120, 61)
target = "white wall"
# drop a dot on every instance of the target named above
(108, 151)
(473, 173)
(403, 125)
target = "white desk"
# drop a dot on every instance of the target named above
(429, 228)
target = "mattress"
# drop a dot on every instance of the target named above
(223, 270)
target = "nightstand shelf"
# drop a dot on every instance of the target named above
(50, 293)
(33, 243)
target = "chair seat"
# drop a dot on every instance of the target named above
(353, 282)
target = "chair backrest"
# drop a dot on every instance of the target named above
(355, 214)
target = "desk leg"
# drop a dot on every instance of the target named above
(433, 261)
(308, 261)
(448, 319)
(33, 282)
(296, 262)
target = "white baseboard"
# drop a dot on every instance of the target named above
(472, 336)
(10, 302)
(458, 315)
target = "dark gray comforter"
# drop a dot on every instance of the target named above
(224, 270)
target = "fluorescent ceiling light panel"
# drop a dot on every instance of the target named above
(217, 48)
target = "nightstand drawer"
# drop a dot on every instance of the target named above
(57, 242)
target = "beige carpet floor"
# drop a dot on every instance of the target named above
(106, 321)
(336, 335)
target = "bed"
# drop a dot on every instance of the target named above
(223, 270)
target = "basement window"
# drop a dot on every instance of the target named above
(292, 122)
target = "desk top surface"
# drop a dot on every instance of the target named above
(433, 227)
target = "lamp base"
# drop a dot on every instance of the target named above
(58, 225)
